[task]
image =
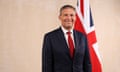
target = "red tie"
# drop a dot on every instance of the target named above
(71, 45)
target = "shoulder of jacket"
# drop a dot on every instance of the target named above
(78, 32)
(53, 32)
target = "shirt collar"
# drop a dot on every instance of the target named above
(65, 31)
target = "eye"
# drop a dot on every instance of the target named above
(65, 14)
(71, 15)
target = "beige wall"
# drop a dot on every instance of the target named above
(24, 22)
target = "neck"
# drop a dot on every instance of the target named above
(68, 29)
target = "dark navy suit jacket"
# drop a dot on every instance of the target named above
(56, 56)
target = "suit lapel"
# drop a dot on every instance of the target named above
(63, 42)
(76, 40)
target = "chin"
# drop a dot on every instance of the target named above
(68, 27)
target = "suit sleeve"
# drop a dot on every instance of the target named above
(87, 62)
(47, 61)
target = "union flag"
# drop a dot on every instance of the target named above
(84, 24)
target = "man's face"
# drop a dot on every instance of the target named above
(67, 18)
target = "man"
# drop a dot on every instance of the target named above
(65, 49)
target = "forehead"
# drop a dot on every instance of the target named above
(68, 10)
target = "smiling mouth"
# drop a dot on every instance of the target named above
(68, 21)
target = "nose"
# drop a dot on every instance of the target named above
(69, 17)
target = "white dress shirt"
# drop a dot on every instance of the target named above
(66, 36)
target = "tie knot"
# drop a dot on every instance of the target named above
(68, 32)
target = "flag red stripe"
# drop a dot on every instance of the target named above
(96, 66)
(91, 38)
(78, 25)
(82, 7)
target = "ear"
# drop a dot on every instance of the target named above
(59, 17)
